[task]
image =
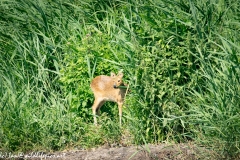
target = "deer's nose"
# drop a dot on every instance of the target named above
(114, 86)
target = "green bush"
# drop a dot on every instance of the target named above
(92, 56)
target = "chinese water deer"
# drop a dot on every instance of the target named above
(108, 88)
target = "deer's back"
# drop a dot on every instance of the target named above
(102, 83)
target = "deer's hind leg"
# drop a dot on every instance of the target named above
(96, 108)
(99, 106)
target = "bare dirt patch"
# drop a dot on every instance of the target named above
(147, 152)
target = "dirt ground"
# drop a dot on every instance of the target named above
(146, 152)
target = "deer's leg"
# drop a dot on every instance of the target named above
(96, 107)
(120, 104)
(99, 106)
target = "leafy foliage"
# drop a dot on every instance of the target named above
(82, 62)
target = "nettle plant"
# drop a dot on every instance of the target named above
(89, 55)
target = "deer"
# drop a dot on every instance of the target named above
(108, 88)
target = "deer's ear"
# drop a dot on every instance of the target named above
(120, 74)
(113, 74)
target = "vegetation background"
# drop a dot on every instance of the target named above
(180, 57)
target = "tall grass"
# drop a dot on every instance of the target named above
(215, 109)
(181, 59)
(34, 114)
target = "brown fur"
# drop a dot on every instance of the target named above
(105, 88)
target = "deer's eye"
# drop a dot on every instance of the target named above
(118, 80)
